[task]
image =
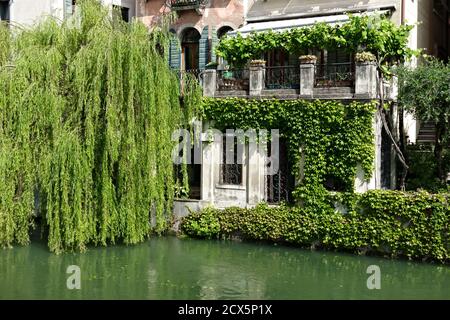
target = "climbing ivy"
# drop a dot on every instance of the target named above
(376, 34)
(86, 117)
(330, 136)
(382, 222)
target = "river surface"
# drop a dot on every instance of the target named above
(172, 268)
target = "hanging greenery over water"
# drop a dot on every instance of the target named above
(87, 108)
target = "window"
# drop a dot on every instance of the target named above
(190, 49)
(223, 31)
(334, 183)
(278, 186)
(4, 10)
(232, 158)
(122, 12)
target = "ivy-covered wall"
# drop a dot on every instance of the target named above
(375, 34)
(388, 223)
(330, 137)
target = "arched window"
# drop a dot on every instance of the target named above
(190, 49)
(223, 31)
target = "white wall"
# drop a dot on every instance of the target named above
(27, 12)
(130, 4)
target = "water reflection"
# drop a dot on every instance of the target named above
(170, 268)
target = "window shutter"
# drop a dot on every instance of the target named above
(68, 9)
(214, 43)
(203, 48)
(174, 53)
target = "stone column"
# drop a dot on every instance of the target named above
(366, 80)
(210, 153)
(255, 170)
(209, 82)
(375, 181)
(393, 92)
(307, 69)
(257, 77)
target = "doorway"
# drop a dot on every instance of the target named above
(190, 49)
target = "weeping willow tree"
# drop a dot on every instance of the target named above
(87, 109)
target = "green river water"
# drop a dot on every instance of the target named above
(172, 268)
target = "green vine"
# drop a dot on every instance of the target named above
(86, 117)
(330, 136)
(375, 34)
(382, 222)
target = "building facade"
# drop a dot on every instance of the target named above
(28, 12)
(199, 25)
(283, 76)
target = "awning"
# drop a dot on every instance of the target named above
(283, 25)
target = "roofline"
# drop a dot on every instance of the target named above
(323, 13)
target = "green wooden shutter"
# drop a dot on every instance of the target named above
(68, 10)
(203, 48)
(174, 53)
(214, 43)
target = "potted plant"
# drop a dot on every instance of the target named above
(309, 58)
(365, 56)
(227, 73)
(212, 65)
(257, 62)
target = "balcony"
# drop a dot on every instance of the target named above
(233, 80)
(334, 75)
(345, 81)
(179, 5)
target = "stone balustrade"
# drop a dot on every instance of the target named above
(359, 81)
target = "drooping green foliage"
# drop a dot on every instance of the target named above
(375, 34)
(86, 117)
(388, 223)
(326, 139)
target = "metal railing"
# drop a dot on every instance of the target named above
(186, 3)
(185, 76)
(228, 80)
(282, 77)
(334, 75)
(277, 189)
(278, 186)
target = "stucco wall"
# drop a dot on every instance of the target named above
(430, 31)
(27, 12)
(432, 28)
(217, 13)
(281, 9)
(130, 4)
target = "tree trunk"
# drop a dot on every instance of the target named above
(399, 152)
(402, 145)
(438, 150)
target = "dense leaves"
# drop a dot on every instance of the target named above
(375, 34)
(425, 92)
(389, 223)
(86, 117)
(325, 138)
